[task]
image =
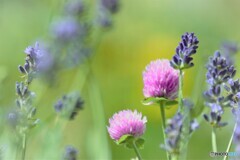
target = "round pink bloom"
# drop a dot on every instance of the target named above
(126, 122)
(160, 80)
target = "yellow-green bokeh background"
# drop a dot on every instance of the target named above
(144, 30)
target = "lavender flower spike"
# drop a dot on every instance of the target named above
(219, 74)
(160, 80)
(126, 122)
(186, 48)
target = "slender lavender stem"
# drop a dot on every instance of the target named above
(163, 116)
(162, 104)
(137, 151)
(97, 108)
(174, 157)
(214, 140)
(230, 141)
(24, 146)
(180, 94)
(186, 119)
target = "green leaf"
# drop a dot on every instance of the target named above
(157, 100)
(140, 143)
(125, 139)
(129, 145)
(171, 102)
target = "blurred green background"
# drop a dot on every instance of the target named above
(144, 30)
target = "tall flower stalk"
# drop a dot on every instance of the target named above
(161, 87)
(183, 60)
(34, 64)
(222, 92)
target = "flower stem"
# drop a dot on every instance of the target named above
(180, 94)
(24, 146)
(174, 157)
(162, 104)
(230, 142)
(98, 114)
(137, 151)
(214, 140)
(163, 116)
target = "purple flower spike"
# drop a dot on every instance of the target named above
(186, 48)
(160, 80)
(126, 122)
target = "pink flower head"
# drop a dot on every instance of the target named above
(160, 80)
(126, 122)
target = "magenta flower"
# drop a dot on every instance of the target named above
(126, 122)
(160, 80)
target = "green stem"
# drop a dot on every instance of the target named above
(174, 156)
(180, 93)
(230, 141)
(137, 151)
(98, 113)
(186, 119)
(163, 116)
(24, 146)
(162, 104)
(214, 140)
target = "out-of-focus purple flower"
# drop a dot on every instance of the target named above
(74, 7)
(38, 60)
(104, 19)
(66, 29)
(13, 119)
(160, 80)
(126, 122)
(70, 153)
(173, 132)
(45, 60)
(33, 52)
(111, 5)
(194, 125)
(69, 105)
(229, 48)
(186, 48)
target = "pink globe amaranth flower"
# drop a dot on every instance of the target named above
(126, 122)
(160, 80)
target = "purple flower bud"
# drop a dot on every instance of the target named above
(21, 69)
